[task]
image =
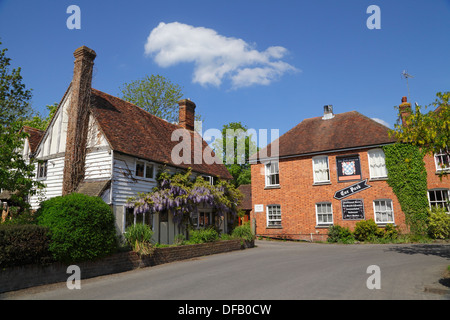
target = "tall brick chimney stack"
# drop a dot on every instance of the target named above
(187, 114)
(78, 119)
(405, 110)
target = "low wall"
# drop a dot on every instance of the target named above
(34, 275)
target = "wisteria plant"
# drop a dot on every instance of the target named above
(180, 195)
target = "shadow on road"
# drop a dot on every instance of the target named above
(439, 250)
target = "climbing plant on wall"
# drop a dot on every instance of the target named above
(180, 195)
(408, 180)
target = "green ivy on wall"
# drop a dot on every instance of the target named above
(407, 177)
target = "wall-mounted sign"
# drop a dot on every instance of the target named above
(352, 209)
(354, 188)
(259, 208)
(348, 168)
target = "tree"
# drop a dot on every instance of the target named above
(155, 94)
(16, 173)
(14, 98)
(429, 131)
(235, 148)
(39, 122)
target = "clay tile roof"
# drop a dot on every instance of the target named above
(34, 138)
(133, 131)
(93, 188)
(246, 203)
(345, 130)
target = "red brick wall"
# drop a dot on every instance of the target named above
(433, 179)
(297, 196)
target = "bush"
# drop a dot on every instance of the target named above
(339, 234)
(23, 244)
(243, 232)
(81, 227)
(391, 232)
(203, 235)
(438, 223)
(139, 237)
(366, 230)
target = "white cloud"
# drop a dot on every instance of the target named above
(384, 123)
(215, 57)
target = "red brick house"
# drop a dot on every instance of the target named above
(330, 171)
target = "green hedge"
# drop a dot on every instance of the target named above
(23, 244)
(81, 227)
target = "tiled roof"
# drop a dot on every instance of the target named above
(93, 188)
(133, 131)
(246, 203)
(344, 131)
(34, 138)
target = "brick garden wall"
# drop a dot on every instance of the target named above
(34, 275)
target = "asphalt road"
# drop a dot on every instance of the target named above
(275, 271)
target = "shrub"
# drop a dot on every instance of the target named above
(81, 227)
(339, 234)
(23, 244)
(243, 232)
(366, 230)
(139, 236)
(438, 223)
(179, 239)
(203, 235)
(391, 232)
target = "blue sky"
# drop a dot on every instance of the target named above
(269, 64)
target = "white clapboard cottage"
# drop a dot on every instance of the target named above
(100, 145)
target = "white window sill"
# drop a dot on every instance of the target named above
(275, 186)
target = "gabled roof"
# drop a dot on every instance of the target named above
(34, 138)
(131, 130)
(349, 130)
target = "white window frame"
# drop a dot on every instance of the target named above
(315, 169)
(269, 174)
(209, 179)
(441, 156)
(43, 166)
(443, 202)
(321, 223)
(375, 212)
(372, 164)
(144, 173)
(202, 218)
(273, 222)
(147, 216)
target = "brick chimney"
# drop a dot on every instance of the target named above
(187, 114)
(78, 119)
(405, 110)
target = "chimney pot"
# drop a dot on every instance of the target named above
(187, 114)
(328, 112)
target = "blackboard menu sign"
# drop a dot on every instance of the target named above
(352, 209)
(348, 168)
